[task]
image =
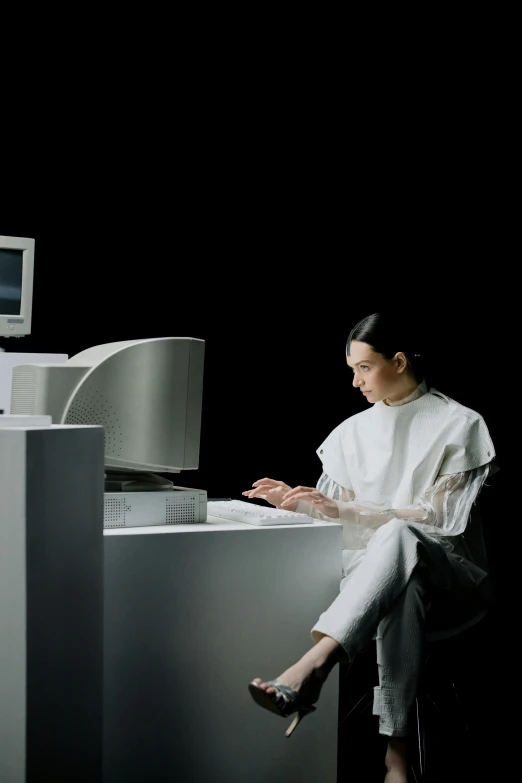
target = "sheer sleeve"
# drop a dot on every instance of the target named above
(448, 502)
(355, 533)
(443, 509)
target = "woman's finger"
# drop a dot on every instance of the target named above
(299, 496)
(292, 493)
(258, 492)
(270, 481)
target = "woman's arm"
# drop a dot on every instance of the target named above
(329, 501)
(444, 507)
(449, 501)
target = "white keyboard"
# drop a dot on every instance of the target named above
(254, 514)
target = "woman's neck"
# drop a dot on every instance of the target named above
(413, 392)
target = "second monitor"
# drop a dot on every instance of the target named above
(147, 394)
(16, 285)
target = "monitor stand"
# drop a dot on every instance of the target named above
(135, 481)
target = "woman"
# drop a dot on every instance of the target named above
(401, 478)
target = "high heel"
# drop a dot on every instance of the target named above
(285, 701)
(300, 715)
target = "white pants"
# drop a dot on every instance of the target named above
(384, 596)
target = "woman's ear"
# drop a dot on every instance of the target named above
(401, 360)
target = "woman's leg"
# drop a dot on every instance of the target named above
(309, 673)
(397, 761)
(399, 643)
(367, 596)
(395, 572)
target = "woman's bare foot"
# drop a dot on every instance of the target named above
(308, 675)
(397, 760)
(305, 680)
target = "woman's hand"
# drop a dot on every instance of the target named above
(272, 491)
(311, 495)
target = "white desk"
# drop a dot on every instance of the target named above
(191, 614)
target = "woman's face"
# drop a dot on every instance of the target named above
(378, 378)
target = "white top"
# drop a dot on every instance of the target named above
(424, 458)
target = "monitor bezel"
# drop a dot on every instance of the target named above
(10, 326)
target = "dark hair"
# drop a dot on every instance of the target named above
(388, 334)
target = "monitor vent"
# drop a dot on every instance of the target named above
(115, 510)
(180, 512)
(23, 391)
(91, 407)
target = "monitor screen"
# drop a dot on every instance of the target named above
(16, 285)
(11, 265)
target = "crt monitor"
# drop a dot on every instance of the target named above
(147, 394)
(16, 285)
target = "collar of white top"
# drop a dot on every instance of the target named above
(418, 392)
